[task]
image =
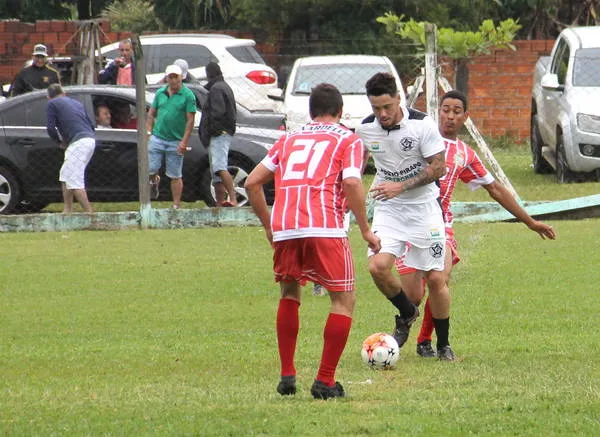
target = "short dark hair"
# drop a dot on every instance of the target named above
(325, 99)
(101, 105)
(55, 90)
(380, 84)
(455, 94)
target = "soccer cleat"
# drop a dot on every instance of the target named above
(320, 390)
(287, 386)
(318, 290)
(425, 350)
(403, 327)
(446, 354)
(155, 187)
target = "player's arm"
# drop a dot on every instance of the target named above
(150, 120)
(500, 194)
(353, 187)
(435, 169)
(260, 176)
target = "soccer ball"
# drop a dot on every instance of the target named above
(380, 351)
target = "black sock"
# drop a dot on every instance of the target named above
(442, 327)
(406, 308)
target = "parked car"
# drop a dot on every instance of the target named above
(348, 73)
(30, 160)
(242, 66)
(565, 116)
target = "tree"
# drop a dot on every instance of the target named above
(132, 16)
(193, 14)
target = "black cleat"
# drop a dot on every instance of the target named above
(320, 390)
(403, 327)
(425, 350)
(446, 354)
(287, 386)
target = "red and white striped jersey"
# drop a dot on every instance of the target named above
(461, 163)
(310, 164)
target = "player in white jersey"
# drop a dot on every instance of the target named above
(462, 164)
(409, 157)
(317, 173)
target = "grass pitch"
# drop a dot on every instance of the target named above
(172, 333)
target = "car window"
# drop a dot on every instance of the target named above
(246, 54)
(123, 112)
(160, 56)
(348, 78)
(34, 113)
(585, 67)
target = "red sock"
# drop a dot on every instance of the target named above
(288, 324)
(426, 324)
(335, 336)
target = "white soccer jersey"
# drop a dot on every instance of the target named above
(399, 153)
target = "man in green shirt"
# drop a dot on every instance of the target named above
(170, 124)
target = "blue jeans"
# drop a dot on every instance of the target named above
(219, 151)
(157, 148)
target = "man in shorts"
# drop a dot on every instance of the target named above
(317, 173)
(409, 157)
(217, 127)
(463, 164)
(170, 123)
(70, 127)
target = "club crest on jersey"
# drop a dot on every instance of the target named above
(459, 159)
(436, 250)
(408, 143)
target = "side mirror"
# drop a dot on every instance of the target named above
(550, 81)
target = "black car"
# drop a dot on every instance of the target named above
(30, 161)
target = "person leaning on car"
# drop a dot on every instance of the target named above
(216, 130)
(37, 76)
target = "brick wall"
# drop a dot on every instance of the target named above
(499, 84)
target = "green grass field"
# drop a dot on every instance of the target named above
(171, 333)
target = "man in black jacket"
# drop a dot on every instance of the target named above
(217, 127)
(37, 76)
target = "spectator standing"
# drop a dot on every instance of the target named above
(69, 126)
(217, 127)
(170, 123)
(120, 71)
(185, 74)
(37, 76)
(317, 172)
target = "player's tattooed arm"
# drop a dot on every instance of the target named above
(432, 172)
(435, 169)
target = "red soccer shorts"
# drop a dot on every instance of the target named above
(325, 261)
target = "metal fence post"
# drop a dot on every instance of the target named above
(431, 85)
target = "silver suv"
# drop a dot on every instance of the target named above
(242, 66)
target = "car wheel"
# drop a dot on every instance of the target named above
(239, 168)
(10, 192)
(540, 165)
(563, 174)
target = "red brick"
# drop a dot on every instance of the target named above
(57, 26)
(71, 26)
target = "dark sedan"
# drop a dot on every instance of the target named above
(30, 160)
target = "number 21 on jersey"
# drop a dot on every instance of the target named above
(302, 163)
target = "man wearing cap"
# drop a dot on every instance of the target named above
(170, 123)
(37, 76)
(185, 74)
(216, 130)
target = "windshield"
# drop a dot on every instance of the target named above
(586, 68)
(348, 78)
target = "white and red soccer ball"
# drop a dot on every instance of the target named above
(380, 351)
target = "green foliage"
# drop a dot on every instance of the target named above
(132, 16)
(193, 14)
(456, 44)
(32, 10)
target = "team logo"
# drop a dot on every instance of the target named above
(436, 250)
(459, 159)
(407, 143)
(374, 147)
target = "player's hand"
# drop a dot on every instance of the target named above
(373, 241)
(386, 190)
(181, 148)
(545, 231)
